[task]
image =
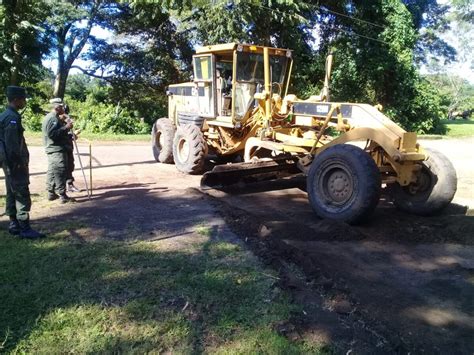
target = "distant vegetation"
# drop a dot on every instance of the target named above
(91, 107)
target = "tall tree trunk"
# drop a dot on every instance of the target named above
(15, 67)
(11, 23)
(65, 62)
(60, 82)
(62, 72)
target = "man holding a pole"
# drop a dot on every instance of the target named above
(70, 154)
(56, 141)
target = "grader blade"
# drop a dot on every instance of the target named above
(245, 173)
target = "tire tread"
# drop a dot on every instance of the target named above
(167, 128)
(361, 161)
(198, 145)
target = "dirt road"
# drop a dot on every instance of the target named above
(397, 284)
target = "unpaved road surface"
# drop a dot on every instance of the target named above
(397, 284)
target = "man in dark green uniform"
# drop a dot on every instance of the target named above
(70, 154)
(15, 165)
(56, 142)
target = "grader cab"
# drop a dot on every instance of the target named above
(238, 105)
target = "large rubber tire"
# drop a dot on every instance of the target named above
(434, 190)
(189, 149)
(162, 135)
(344, 184)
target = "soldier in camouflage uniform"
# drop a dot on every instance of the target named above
(56, 142)
(70, 156)
(15, 162)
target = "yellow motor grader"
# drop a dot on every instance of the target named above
(238, 105)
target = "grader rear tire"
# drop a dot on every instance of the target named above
(162, 135)
(344, 184)
(189, 149)
(434, 190)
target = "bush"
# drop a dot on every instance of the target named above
(34, 114)
(421, 112)
(96, 117)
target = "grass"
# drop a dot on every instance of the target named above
(204, 230)
(455, 129)
(36, 138)
(459, 128)
(62, 295)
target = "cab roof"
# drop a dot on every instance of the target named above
(228, 48)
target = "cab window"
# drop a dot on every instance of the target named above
(203, 68)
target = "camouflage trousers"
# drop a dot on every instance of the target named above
(57, 173)
(18, 200)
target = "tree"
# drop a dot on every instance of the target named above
(431, 20)
(456, 93)
(70, 25)
(148, 54)
(462, 18)
(374, 44)
(22, 41)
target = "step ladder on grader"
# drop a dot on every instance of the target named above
(238, 105)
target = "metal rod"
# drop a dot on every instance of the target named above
(325, 94)
(289, 76)
(324, 126)
(82, 168)
(268, 86)
(90, 167)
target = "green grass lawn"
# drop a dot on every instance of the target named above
(459, 128)
(64, 295)
(36, 138)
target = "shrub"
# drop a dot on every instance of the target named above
(34, 114)
(98, 117)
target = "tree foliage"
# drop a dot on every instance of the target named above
(376, 43)
(23, 41)
(70, 24)
(147, 55)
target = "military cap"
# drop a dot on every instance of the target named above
(14, 92)
(56, 101)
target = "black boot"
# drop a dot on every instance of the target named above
(52, 196)
(63, 198)
(27, 232)
(13, 226)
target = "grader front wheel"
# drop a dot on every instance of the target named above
(189, 149)
(434, 189)
(344, 184)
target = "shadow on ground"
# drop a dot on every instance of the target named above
(98, 284)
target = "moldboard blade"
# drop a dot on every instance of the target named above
(244, 173)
